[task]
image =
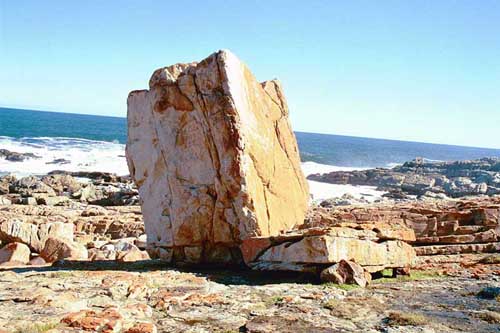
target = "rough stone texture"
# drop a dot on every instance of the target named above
(33, 235)
(214, 157)
(60, 248)
(440, 227)
(15, 252)
(346, 272)
(360, 246)
(148, 295)
(428, 179)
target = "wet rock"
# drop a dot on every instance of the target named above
(16, 157)
(198, 149)
(59, 161)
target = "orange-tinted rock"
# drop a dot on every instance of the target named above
(345, 272)
(106, 321)
(251, 248)
(215, 159)
(132, 255)
(57, 249)
(15, 252)
(340, 243)
(142, 328)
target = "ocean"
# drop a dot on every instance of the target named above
(97, 143)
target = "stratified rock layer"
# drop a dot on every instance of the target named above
(215, 159)
(441, 227)
(311, 250)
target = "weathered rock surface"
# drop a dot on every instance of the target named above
(440, 227)
(60, 248)
(429, 179)
(215, 159)
(88, 298)
(59, 188)
(311, 250)
(17, 252)
(33, 235)
(346, 272)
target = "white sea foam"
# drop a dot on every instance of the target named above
(320, 191)
(90, 155)
(84, 155)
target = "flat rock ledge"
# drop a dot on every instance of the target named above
(312, 250)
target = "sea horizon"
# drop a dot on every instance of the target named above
(124, 118)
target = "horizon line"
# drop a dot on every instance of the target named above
(298, 131)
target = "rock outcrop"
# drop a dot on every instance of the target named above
(432, 179)
(314, 249)
(442, 227)
(215, 159)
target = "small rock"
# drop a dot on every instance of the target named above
(132, 255)
(15, 252)
(345, 272)
(37, 261)
(141, 241)
(60, 248)
(4, 200)
(142, 328)
(29, 201)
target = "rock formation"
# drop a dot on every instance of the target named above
(442, 227)
(430, 179)
(373, 247)
(215, 159)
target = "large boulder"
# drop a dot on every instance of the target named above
(215, 159)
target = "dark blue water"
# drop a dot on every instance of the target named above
(321, 148)
(365, 152)
(18, 123)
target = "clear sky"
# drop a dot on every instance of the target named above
(412, 70)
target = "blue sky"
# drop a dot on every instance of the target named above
(411, 70)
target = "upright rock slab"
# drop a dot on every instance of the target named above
(215, 159)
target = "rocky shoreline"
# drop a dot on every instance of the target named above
(456, 242)
(225, 238)
(423, 179)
